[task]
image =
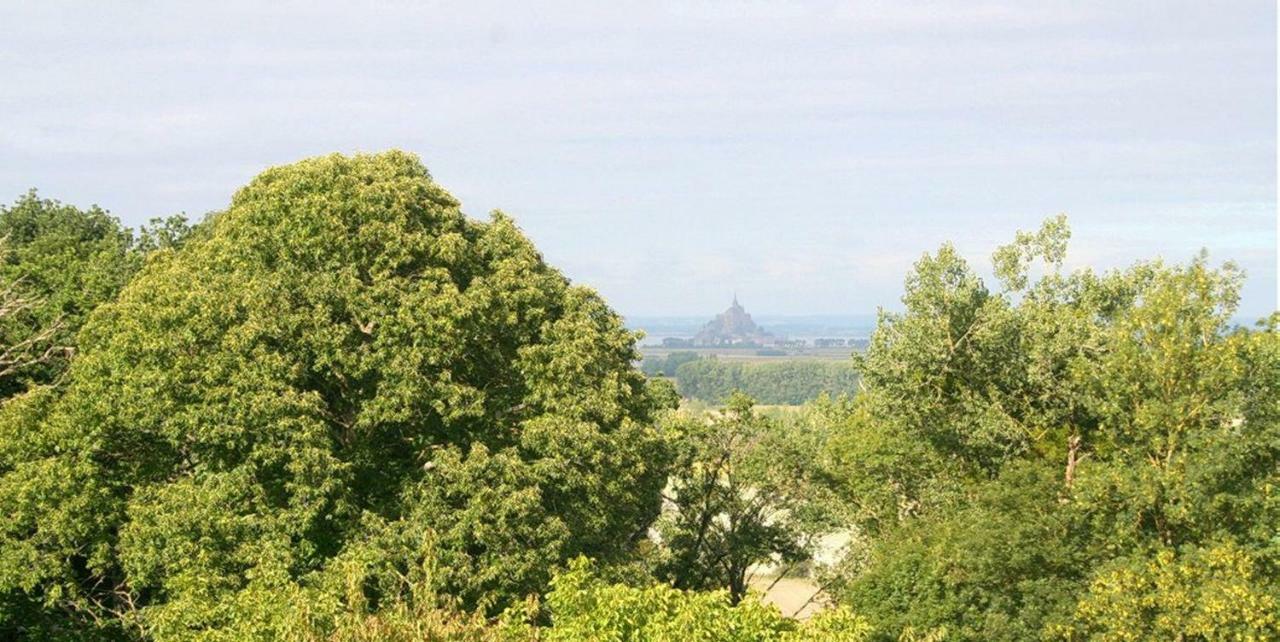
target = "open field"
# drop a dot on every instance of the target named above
(795, 596)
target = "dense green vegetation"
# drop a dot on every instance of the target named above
(58, 263)
(582, 607)
(782, 382)
(1082, 456)
(740, 496)
(343, 370)
(341, 410)
(666, 365)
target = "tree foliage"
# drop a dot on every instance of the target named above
(341, 410)
(1015, 447)
(57, 263)
(665, 366)
(341, 372)
(1214, 592)
(738, 498)
(586, 609)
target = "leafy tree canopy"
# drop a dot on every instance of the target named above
(341, 372)
(1072, 447)
(57, 263)
(739, 497)
(583, 607)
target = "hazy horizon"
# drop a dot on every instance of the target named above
(802, 155)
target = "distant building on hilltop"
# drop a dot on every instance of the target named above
(733, 327)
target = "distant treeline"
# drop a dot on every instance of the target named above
(782, 382)
(666, 366)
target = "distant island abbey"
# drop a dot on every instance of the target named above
(733, 327)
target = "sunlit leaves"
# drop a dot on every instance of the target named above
(341, 366)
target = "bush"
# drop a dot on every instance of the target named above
(586, 609)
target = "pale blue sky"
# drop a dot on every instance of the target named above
(802, 154)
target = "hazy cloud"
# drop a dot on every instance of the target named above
(803, 154)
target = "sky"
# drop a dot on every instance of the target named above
(802, 155)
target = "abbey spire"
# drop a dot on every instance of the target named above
(733, 327)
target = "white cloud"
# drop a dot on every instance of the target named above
(808, 151)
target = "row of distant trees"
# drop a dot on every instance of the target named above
(771, 382)
(821, 342)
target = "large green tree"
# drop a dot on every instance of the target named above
(741, 496)
(1020, 452)
(341, 380)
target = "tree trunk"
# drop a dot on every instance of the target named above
(1073, 459)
